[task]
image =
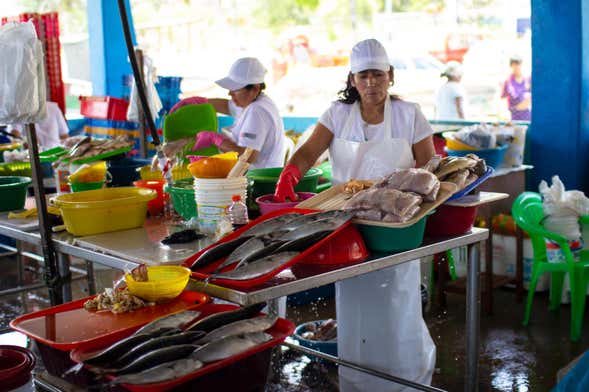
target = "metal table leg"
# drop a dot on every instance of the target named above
(63, 265)
(20, 263)
(90, 277)
(472, 319)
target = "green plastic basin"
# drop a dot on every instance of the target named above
(182, 196)
(393, 239)
(13, 192)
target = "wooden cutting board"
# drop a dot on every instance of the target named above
(335, 197)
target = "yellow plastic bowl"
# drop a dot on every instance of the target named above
(454, 144)
(165, 282)
(104, 210)
(146, 173)
(212, 167)
(180, 173)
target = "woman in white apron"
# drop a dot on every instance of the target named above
(257, 125)
(369, 134)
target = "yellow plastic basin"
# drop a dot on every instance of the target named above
(216, 166)
(104, 210)
(454, 144)
(165, 282)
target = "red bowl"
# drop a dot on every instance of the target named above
(267, 204)
(16, 364)
(450, 220)
(155, 206)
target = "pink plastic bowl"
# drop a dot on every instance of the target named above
(267, 204)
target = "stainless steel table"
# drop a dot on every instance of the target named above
(287, 283)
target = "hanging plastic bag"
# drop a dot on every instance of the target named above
(153, 99)
(22, 75)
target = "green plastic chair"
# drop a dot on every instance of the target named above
(528, 214)
(189, 120)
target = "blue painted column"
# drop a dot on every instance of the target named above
(559, 138)
(108, 53)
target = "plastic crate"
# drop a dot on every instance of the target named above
(106, 108)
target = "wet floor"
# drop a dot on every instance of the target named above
(513, 357)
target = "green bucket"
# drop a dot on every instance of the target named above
(182, 196)
(393, 239)
(13, 192)
(86, 186)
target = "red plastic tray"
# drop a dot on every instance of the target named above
(70, 326)
(279, 332)
(106, 108)
(347, 234)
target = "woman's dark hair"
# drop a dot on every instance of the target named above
(251, 86)
(350, 94)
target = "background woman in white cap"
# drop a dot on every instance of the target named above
(370, 133)
(451, 97)
(257, 125)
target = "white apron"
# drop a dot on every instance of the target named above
(379, 320)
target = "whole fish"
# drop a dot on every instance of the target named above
(270, 225)
(259, 268)
(214, 321)
(330, 224)
(175, 320)
(256, 324)
(157, 343)
(218, 252)
(303, 243)
(306, 219)
(250, 246)
(153, 358)
(229, 346)
(164, 372)
(259, 254)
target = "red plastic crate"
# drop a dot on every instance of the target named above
(104, 108)
(450, 220)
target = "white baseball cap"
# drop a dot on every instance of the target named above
(247, 70)
(369, 54)
(453, 68)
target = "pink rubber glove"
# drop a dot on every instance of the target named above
(205, 139)
(188, 101)
(289, 178)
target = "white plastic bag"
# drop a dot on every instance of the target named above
(153, 99)
(22, 75)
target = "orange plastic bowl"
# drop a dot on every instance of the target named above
(211, 167)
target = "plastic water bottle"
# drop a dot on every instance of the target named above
(237, 212)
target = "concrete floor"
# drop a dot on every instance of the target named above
(513, 357)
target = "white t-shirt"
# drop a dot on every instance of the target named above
(259, 126)
(446, 101)
(48, 130)
(408, 123)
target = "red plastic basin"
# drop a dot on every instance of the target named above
(267, 204)
(450, 220)
(16, 364)
(155, 206)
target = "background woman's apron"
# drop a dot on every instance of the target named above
(379, 318)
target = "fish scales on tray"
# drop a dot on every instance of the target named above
(214, 321)
(231, 345)
(259, 268)
(188, 337)
(218, 252)
(306, 219)
(256, 324)
(270, 225)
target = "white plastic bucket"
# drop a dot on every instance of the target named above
(213, 196)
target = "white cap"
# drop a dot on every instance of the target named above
(247, 70)
(369, 54)
(453, 68)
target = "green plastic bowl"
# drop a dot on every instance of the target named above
(13, 192)
(86, 186)
(393, 239)
(182, 196)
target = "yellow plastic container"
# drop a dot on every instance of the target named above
(180, 173)
(147, 174)
(216, 166)
(104, 210)
(454, 144)
(93, 172)
(164, 282)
